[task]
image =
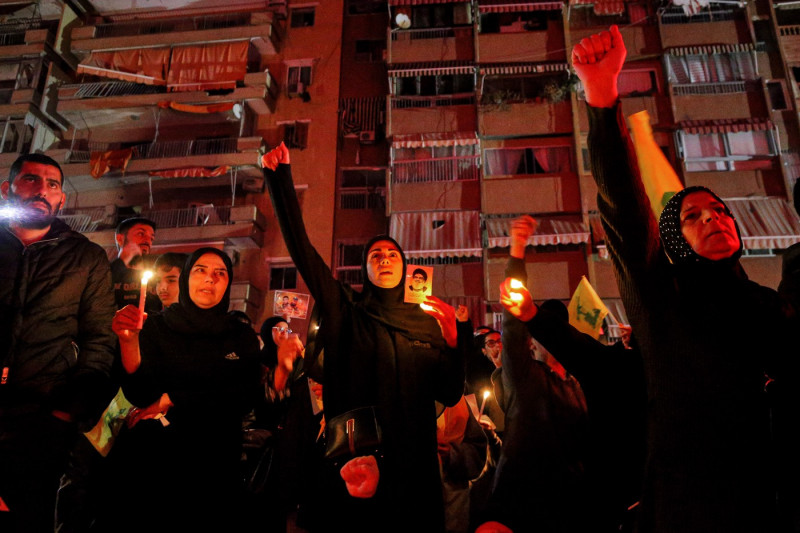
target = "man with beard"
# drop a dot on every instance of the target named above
(134, 238)
(56, 343)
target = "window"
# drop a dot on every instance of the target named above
(299, 78)
(363, 188)
(777, 96)
(743, 150)
(368, 51)
(348, 262)
(583, 16)
(295, 134)
(528, 161)
(639, 82)
(518, 22)
(282, 277)
(435, 163)
(711, 68)
(434, 85)
(15, 137)
(504, 90)
(302, 17)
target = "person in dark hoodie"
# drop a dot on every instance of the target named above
(709, 464)
(194, 374)
(380, 352)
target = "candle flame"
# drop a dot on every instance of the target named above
(426, 307)
(517, 297)
(516, 284)
(486, 394)
(146, 275)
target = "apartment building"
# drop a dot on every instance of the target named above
(436, 121)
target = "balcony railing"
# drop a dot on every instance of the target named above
(677, 16)
(98, 217)
(161, 150)
(147, 27)
(789, 30)
(362, 198)
(406, 102)
(350, 275)
(110, 88)
(191, 216)
(426, 33)
(79, 223)
(11, 39)
(723, 87)
(438, 169)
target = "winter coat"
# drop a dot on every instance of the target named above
(56, 306)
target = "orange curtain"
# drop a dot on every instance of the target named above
(192, 172)
(198, 108)
(148, 65)
(210, 66)
(102, 162)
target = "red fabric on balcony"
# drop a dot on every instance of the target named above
(209, 66)
(418, 140)
(550, 231)
(438, 233)
(603, 7)
(198, 108)
(192, 172)
(146, 65)
(102, 162)
(698, 127)
(507, 6)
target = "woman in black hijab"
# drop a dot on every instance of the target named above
(195, 372)
(382, 352)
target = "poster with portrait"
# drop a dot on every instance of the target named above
(290, 304)
(418, 283)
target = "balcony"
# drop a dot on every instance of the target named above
(717, 26)
(246, 297)
(524, 46)
(533, 117)
(431, 114)
(443, 44)
(723, 100)
(241, 226)
(89, 103)
(439, 183)
(790, 42)
(24, 38)
(258, 27)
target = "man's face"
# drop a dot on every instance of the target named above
(167, 287)
(418, 282)
(139, 236)
(384, 265)
(492, 348)
(36, 192)
(707, 227)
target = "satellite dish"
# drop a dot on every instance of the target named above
(237, 110)
(403, 21)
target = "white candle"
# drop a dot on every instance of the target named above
(486, 394)
(146, 275)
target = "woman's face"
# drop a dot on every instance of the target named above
(384, 265)
(707, 227)
(280, 332)
(208, 280)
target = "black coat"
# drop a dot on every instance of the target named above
(707, 336)
(56, 306)
(404, 384)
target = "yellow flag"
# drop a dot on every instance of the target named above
(586, 309)
(659, 178)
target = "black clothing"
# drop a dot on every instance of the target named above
(56, 306)
(378, 351)
(708, 466)
(127, 286)
(612, 379)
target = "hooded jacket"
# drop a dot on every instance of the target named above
(56, 306)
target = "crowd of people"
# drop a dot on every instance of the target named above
(372, 423)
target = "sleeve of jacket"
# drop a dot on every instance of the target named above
(451, 367)
(516, 355)
(86, 394)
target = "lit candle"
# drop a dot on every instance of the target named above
(426, 307)
(486, 394)
(146, 275)
(515, 296)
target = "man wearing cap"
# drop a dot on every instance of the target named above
(56, 343)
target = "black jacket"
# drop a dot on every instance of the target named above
(56, 306)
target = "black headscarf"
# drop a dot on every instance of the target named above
(678, 250)
(269, 353)
(187, 317)
(387, 305)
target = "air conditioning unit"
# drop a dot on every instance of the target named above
(366, 137)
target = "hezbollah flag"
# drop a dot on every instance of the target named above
(659, 178)
(586, 309)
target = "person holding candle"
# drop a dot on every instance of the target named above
(539, 482)
(134, 239)
(381, 352)
(194, 371)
